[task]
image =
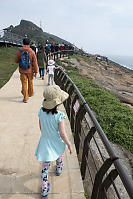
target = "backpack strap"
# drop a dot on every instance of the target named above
(20, 50)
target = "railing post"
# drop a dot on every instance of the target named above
(58, 76)
(79, 117)
(106, 183)
(57, 54)
(98, 183)
(65, 88)
(63, 82)
(54, 56)
(69, 101)
(63, 53)
(67, 84)
(73, 114)
(85, 150)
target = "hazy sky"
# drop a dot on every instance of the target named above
(98, 26)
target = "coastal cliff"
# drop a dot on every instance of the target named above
(112, 76)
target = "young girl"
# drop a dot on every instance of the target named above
(53, 139)
(50, 70)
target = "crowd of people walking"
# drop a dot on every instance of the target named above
(51, 48)
(32, 58)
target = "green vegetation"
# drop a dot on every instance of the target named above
(31, 30)
(115, 118)
(76, 57)
(104, 62)
(7, 65)
(59, 62)
(85, 194)
(89, 58)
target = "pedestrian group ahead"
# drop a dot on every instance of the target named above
(32, 59)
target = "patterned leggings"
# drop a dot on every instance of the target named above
(44, 174)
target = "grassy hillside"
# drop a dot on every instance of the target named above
(7, 65)
(29, 29)
(115, 118)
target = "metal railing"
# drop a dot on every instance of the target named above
(102, 172)
(9, 38)
(59, 54)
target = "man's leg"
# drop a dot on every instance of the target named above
(30, 84)
(42, 73)
(24, 91)
(44, 177)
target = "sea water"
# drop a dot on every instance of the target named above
(126, 61)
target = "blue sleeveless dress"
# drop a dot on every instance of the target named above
(50, 145)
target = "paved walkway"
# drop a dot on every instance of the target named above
(19, 135)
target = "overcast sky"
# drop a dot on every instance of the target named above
(98, 26)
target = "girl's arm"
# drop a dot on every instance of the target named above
(39, 124)
(64, 135)
(47, 71)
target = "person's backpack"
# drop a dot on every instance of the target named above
(24, 62)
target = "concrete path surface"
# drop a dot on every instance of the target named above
(19, 135)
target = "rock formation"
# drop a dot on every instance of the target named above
(111, 76)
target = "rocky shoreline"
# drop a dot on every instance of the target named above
(112, 76)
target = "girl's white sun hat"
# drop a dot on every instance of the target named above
(53, 96)
(51, 62)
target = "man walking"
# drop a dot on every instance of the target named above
(33, 46)
(27, 67)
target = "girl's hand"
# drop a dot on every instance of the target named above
(64, 135)
(70, 148)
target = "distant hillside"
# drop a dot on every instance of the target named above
(55, 38)
(35, 33)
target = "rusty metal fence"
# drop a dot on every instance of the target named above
(60, 54)
(103, 175)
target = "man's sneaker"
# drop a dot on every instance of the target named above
(25, 101)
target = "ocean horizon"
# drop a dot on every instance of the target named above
(126, 61)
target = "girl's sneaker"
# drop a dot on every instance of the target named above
(45, 195)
